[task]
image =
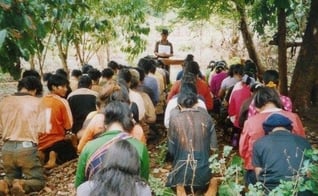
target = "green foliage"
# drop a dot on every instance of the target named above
(29, 27)
(130, 24)
(306, 178)
(198, 10)
(91, 24)
(20, 27)
(230, 167)
(264, 13)
(158, 187)
(255, 190)
(310, 168)
(160, 154)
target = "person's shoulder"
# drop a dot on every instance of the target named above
(139, 146)
(291, 115)
(263, 142)
(55, 99)
(203, 111)
(135, 142)
(201, 82)
(174, 111)
(256, 120)
(82, 91)
(303, 141)
(102, 138)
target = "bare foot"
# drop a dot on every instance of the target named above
(4, 189)
(49, 166)
(52, 161)
(17, 188)
(213, 187)
(181, 191)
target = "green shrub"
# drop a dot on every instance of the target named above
(230, 168)
(158, 187)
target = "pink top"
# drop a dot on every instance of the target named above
(236, 101)
(253, 130)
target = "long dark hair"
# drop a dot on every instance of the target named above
(120, 171)
(265, 95)
(187, 97)
(117, 111)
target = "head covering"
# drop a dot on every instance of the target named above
(220, 65)
(276, 120)
(164, 32)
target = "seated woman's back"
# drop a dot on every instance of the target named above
(119, 174)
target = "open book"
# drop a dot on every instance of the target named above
(164, 49)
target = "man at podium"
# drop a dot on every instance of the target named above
(163, 48)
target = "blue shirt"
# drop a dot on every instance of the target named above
(279, 154)
(153, 85)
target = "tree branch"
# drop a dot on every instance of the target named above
(288, 44)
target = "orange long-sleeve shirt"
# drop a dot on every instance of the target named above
(60, 118)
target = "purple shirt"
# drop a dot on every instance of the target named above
(216, 82)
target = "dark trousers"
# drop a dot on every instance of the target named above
(64, 149)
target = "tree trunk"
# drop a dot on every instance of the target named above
(305, 73)
(79, 54)
(282, 56)
(63, 56)
(31, 61)
(248, 40)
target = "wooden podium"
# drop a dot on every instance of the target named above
(170, 62)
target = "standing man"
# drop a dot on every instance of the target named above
(163, 48)
(22, 118)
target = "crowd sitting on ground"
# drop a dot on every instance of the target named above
(106, 119)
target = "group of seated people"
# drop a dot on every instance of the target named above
(105, 119)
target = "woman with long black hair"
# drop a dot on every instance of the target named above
(119, 175)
